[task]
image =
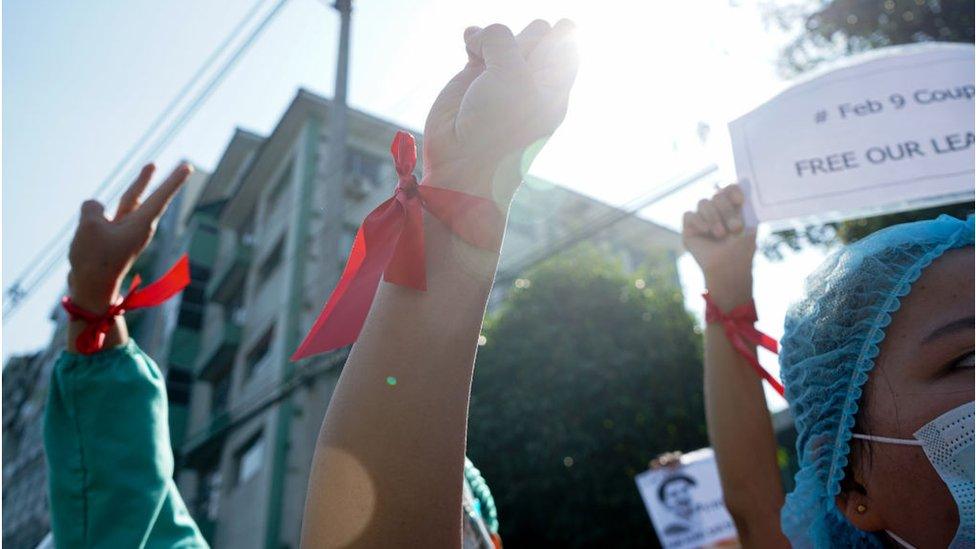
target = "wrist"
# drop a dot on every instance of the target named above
(495, 179)
(93, 294)
(729, 292)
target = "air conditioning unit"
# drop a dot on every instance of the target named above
(358, 187)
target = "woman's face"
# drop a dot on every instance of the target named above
(925, 369)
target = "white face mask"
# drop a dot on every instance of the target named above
(948, 442)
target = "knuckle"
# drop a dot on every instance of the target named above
(90, 209)
(498, 31)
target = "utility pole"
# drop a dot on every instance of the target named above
(335, 176)
(322, 191)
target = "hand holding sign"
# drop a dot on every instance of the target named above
(717, 238)
(685, 502)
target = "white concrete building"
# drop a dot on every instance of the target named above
(244, 419)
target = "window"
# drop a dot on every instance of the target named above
(191, 316)
(195, 293)
(236, 311)
(249, 459)
(194, 296)
(271, 262)
(178, 385)
(363, 165)
(199, 273)
(238, 315)
(279, 188)
(247, 231)
(208, 502)
(218, 395)
(208, 228)
(260, 354)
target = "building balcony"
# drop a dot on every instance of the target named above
(183, 348)
(204, 243)
(220, 343)
(229, 273)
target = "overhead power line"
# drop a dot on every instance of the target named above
(601, 223)
(44, 263)
(274, 392)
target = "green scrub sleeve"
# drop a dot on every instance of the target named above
(110, 464)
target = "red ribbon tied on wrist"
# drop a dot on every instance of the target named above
(390, 244)
(740, 329)
(92, 338)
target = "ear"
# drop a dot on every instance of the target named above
(854, 503)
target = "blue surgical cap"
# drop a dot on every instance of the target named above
(831, 340)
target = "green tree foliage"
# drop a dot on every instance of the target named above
(834, 28)
(587, 374)
(830, 234)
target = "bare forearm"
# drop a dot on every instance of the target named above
(740, 429)
(394, 435)
(389, 463)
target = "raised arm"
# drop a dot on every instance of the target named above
(739, 425)
(106, 426)
(388, 467)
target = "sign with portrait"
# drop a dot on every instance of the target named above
(685, 503)
(891, 129)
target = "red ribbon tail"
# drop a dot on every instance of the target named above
(390, 245)
(478, 221)
(170, 284)
(740, 330)
(408, 267)
(345, 312)
(741, 342)
(756, 337)
(91, 339)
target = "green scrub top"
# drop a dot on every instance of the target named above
(110, 465)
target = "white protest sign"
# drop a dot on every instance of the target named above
(685, 503)
(890, 130)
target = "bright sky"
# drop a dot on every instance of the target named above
(83, 80)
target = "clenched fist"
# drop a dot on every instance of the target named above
(513, 92)
(717, 238)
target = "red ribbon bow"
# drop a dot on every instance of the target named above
(390, 244)
(739, 324)
(92, 338)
